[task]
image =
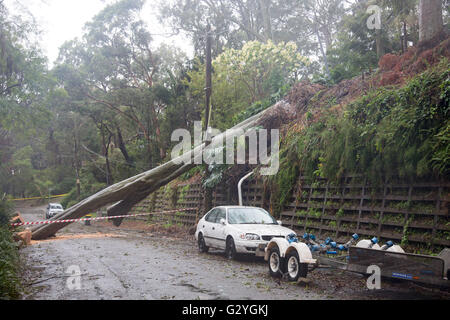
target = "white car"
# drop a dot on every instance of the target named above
(237, 229)
(53, 209)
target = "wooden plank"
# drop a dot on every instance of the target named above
(436, 218)
(361, 203)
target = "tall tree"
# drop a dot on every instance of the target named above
(114, 67)
(24, 84)
(311, 24)
(248, 76)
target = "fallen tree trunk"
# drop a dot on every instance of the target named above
(124, 206)
(129, 192)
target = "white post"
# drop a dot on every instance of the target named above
(240, 187)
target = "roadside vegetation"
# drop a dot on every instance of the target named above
(390, 132)
(10, 283)
(106, 108)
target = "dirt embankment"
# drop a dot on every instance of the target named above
(393, 70)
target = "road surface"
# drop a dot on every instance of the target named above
(121, 263)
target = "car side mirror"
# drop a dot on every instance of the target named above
(223, 222)
(280, 222)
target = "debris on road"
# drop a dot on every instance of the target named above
(23, 237)
(97, 235)
(303, 281)
(17, 218)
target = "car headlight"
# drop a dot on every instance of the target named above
(251, 236)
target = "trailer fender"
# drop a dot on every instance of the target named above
(396, 248)
(445, 255)
(367, 245)
(282, 245)
(304, 254)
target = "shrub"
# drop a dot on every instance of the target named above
(6, 209)
(9, 256)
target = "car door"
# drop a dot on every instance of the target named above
(207, 227)
(218, 230)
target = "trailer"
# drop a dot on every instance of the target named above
(294, 259)
(286, 256)
(424, 269)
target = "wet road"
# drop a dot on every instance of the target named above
(116, 263)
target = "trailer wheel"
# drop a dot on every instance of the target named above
(295, 269)
(276, 262)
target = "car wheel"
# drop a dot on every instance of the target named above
(295, 269)
(276, 262)
(202, 247)
(230, 249)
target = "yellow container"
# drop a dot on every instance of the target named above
(88, 222)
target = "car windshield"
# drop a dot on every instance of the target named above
(249, 216)
(56, 206)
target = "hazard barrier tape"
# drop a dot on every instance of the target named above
(98, 218)
(35, 198)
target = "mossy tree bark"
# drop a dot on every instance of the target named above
(430, 19)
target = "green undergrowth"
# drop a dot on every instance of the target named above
(10, 284)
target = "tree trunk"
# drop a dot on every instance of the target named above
(402, 42)
(208, 77)
(264, 6)
(319, 39)
(131, 191)
(430, 19)
(77, 166)
(379, 43)
(108, 175)
(162, 150)
(123, 148)
(405, 36)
